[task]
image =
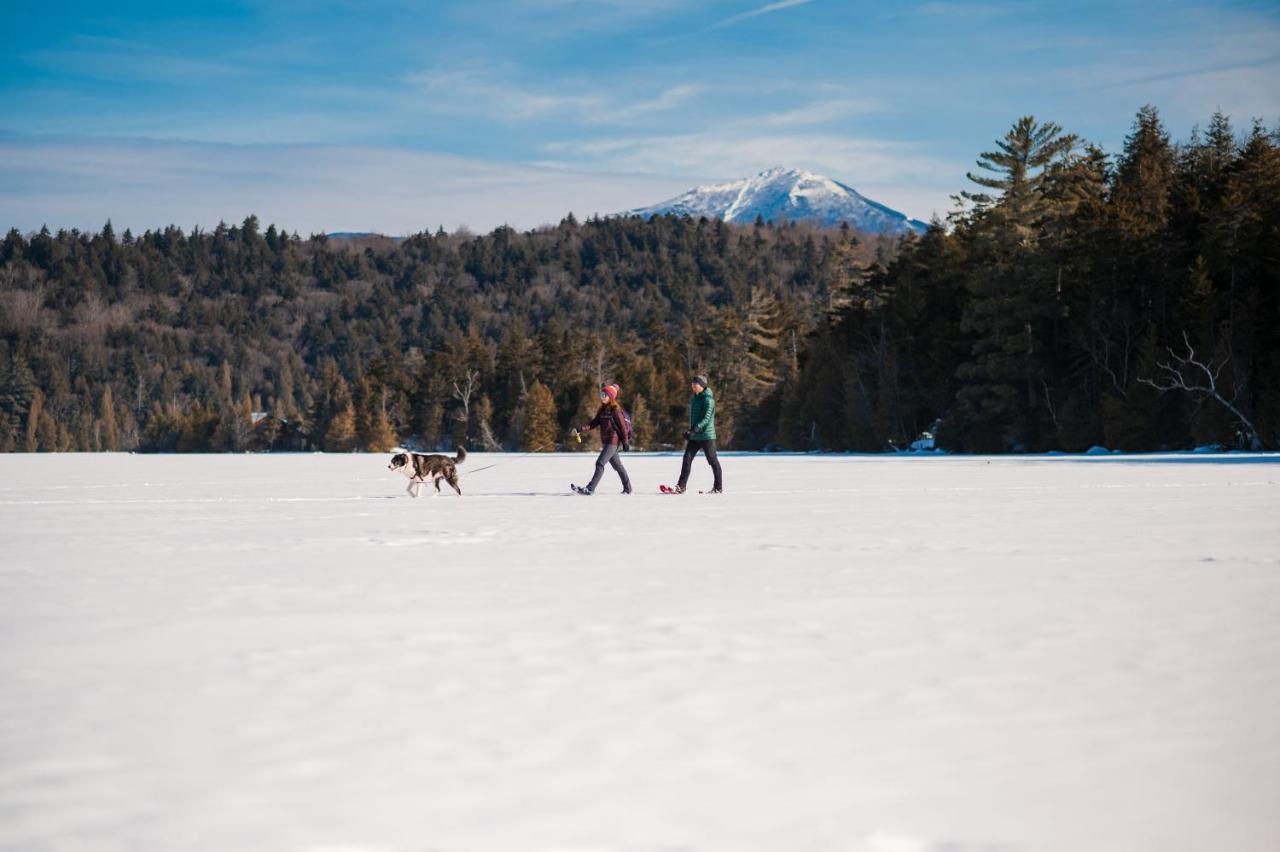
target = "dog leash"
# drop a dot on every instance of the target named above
(523, 455)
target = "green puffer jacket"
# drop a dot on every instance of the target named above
(702, 416)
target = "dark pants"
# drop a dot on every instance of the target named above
(709, 449)
(609, 456)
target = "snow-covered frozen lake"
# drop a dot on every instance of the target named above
(877, 654)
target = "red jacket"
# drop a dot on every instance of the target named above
(609, 421)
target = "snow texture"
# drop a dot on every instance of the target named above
(876, 654)
(781, 194)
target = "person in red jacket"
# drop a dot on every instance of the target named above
(612, 424)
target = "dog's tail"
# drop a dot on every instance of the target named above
(461, 456)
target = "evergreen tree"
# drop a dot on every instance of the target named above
(35, 415)
(539, 426)
(642, 427)
(1144, 178)
(340, 435)
(1001, 403)
(383, 437)
(17, 386)
(107, 413)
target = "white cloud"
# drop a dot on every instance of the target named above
(729, 154)
(665, 101)
(1216, 59)
(906, 177)
(472, 93)
(553, 19)
(967, 11)
(818, 112)
(144, 184)
(763, 10)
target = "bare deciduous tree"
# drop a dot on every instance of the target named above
(1187, 373)
(463, 391)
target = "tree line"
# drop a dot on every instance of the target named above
(173, 340)
(1077, 299)
(1072, 298)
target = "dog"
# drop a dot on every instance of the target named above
(419, 468)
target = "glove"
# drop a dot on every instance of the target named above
(687, 433)
(626, 448)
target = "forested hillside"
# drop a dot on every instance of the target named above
(1073, 299)
(169, 340)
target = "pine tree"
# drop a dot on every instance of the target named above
(196, 429)
(17, 385)
(845, 274)
(762, 330)
(1144, 178)
(286, 403)
(1021, 166)
(642, 428)
(539, 426)
(382, 438)
(1002, 401)
(49, 440)
(35, 414)
(340, 435)
(107, 413)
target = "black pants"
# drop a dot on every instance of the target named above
(609, 456)
(709, 449)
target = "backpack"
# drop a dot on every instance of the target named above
(627, 431)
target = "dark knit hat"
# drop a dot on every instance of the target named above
(701, 380)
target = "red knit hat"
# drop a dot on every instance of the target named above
(612, 390)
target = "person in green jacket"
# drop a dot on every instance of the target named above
(701, 434)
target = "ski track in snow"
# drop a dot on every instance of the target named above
(877, 654)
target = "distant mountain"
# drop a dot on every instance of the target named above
(360, 235)
(781, 194)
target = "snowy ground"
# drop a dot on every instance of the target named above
(877, 654)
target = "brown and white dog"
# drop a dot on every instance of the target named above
(419, 468)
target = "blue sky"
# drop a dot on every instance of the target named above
(401, 116)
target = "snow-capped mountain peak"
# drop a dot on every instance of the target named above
(784, 194)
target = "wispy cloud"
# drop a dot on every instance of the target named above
(127, 61)
(561, 18)
(76, 182)
(818, 112)
(1227, 62)
(966, 10)
(731, 155)
(667, 100)
(755, 13)
(900, 171)
(472, 92)
(1195, 71)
